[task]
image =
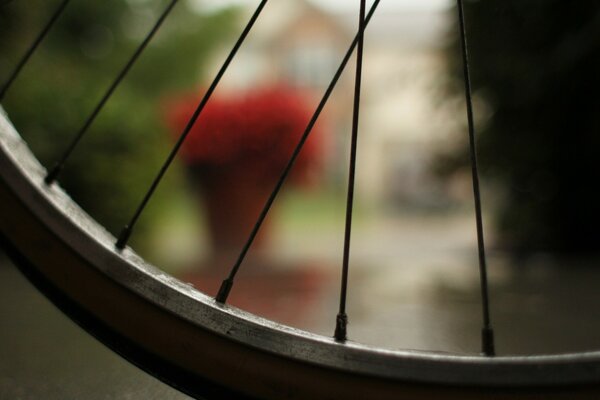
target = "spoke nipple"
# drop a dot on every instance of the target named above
(341, 326)
(487, 341)
(123, 238)
(224, 290)
(53, 174)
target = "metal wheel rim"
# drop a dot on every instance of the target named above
(34, 214)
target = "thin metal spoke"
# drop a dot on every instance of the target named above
(55, 171)
(227, 284)
(128, 229)
(342, 318)
(32, 48)
(487, 333)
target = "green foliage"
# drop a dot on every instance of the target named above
(74, 67)
(535, 63)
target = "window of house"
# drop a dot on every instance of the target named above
(311, 65)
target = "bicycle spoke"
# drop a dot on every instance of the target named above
(487, 333)
(227, 284)
(32, 48)
(128, 229)
(53, 174)
(342, 318)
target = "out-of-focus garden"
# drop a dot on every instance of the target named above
(534, 69)
(74, 68)
(414, 277)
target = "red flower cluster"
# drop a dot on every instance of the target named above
(256, 130)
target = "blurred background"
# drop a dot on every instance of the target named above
(414, 274)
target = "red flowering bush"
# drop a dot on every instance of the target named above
(257, 130)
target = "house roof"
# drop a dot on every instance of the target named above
(415, 27)
(281, 15)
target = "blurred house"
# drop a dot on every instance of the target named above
(404, 117)
(295, 43)
(407, 114)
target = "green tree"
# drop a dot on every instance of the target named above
(535, 64)
(74, 67)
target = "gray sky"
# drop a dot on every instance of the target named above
(345, 5)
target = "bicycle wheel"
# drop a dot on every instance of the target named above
(205, 347)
